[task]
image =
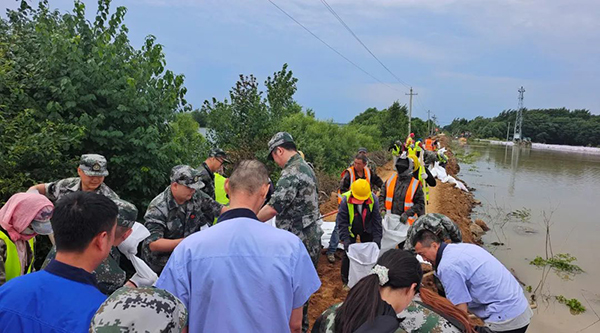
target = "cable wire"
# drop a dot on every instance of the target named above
(333, 12)
(331, 47)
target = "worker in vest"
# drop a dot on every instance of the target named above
(402, 193)
(410, 139)
(24, 216)
(396, 148)
(429, 144)
(358, 170)
(358, 215)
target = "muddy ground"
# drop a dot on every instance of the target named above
(444, 199)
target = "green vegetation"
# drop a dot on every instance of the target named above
(573, 304)
(555, 126)
(70, 85)
(523, 214)
(561, 262)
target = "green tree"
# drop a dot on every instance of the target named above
(85, 77)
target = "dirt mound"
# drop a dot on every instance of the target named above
(332, 289)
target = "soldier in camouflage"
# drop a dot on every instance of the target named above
(92, 170)
(140, 310)
(439, 224)
(179, 211)
(417, 317)
(216, 158)
(326, 322)
(109, 274)
(296, 200)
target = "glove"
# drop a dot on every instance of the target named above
(404, 218)
(143, 281)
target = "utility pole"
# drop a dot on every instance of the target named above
(518, 135)
(433, 123)
(428, 123)
(507, 131)
(410, 108)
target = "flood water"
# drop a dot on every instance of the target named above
(566, 188)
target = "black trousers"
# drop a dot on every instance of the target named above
(364, 237)
(484, 329)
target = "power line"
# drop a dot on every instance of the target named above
(331, 47)
(332, 11)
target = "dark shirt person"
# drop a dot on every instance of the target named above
(64, 296)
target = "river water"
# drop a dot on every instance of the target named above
(563, 186)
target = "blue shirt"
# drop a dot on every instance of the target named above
(61, 298)
(240, 275)
(471, 275)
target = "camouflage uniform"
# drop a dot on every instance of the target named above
(326, 322)
(207, 176)
(439, 224)
(418, 318)
(109, 274)
(167, 219)
(91, 165)
(140, 310)
(296, 200)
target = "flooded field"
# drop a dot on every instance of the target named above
(523, 191)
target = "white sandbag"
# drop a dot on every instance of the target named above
(327, 228)
(129, 248)
(394, 232)
(363, 257)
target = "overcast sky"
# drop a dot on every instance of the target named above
(463, 57)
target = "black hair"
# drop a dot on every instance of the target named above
(361, 157)
(402, 164)
(363, 300)
(288, 146)
(426, 238)
(78, 217)
(249, 176)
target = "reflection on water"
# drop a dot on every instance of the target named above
(565, 186)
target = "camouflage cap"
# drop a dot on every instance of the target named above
(186, 175)
(93, 165)
(144, 309)
(279, 139)
(218, 152)
(362, 150)
(432, 222)
(127, 213)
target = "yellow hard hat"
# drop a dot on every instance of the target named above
(361, 189)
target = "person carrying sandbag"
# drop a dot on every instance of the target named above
(358, 215)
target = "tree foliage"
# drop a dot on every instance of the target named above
(84, 86)
(555, 126)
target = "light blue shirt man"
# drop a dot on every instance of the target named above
(471, 275)
(240, 275)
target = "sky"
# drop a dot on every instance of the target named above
(464, 58)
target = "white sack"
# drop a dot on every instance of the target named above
(363, 257)
(327, 228)
(129, 248)
(394, 232)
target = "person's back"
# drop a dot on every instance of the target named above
(242, 275)
(491, 292)
(54, 304)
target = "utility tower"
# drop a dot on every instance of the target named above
(410, 108)
(428, 122)
(518, 134)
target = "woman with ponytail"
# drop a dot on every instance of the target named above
(372, 304)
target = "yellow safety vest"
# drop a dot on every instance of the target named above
(220, 195)
(351, 209)
(12, 265)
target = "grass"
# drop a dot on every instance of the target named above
(523, 214)
(561, 262)
(573, 304)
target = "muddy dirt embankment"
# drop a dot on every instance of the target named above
(444, 199)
